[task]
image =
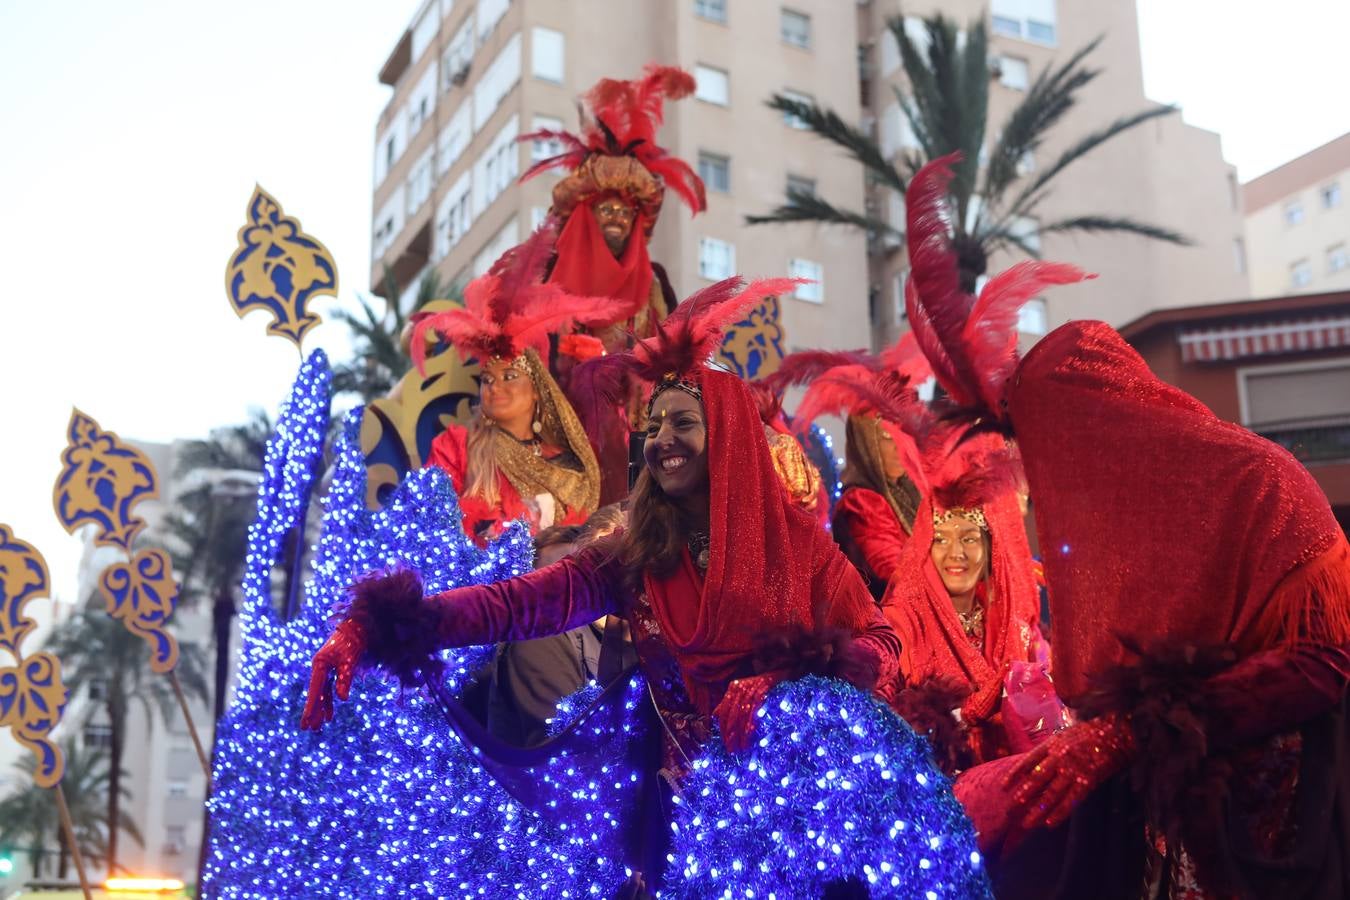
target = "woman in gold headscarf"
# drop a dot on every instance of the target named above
(524, 455)
(875, 514)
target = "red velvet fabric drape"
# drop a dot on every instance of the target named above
(586, 267)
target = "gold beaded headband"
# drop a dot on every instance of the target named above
(974, 514)
(672, 381)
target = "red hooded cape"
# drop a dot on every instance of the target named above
(1158, 518)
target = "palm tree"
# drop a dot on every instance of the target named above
(29, 816)
(210, 522)
(95, 648)
(378, 360)
(947, 107)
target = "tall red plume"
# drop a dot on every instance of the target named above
(990, 335)
(805, 366)
(936, 305)
(574, 155)
(632, 113)
(525, 264)
(971, 344)
(510, 308)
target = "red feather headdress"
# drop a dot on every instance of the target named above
(510, 308)
(624, 118)
(683, 343)
(970, 342)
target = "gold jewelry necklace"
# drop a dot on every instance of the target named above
(972, 621)
(699, 543)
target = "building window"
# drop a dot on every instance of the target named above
(901, 313)
(1301, 406)
(1030, 20)
(489, 13)
(814, 272)
(498, 79)
(1240, 256)
(715, 170)
(1337, 260)
(800, 186)
(419, 184)
(545, 148)
(712, 10)
(546, 54)
(454, 138)
(713, 85)
(1032, 317)
(1293, 212)
(793, 121)
(716, 259)
(176, 788)
(459, 55)
(97, 737)
(389, 154)
(1331, 195)
(1233, 202)
(537, 216)
(795, 29)
(1300, 274)
(1014, 72)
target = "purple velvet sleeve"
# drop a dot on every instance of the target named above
(1274, 691)
(570, 593)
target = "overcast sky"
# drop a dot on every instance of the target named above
(134, 133)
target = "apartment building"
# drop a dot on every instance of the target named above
(469, 77)
(1298, 224)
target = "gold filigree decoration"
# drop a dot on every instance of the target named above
(32, 698)
(31, 693)
(397, 431)
(279, 268)
(142, 595)
(102, 480)
(753, 347)
(23, 576)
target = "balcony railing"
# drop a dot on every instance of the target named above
(1327, 443)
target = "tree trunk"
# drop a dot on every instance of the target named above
(117, 727)
(222, 616)
(63, 857)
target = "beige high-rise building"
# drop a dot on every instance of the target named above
(1298, 224)
(468, 77)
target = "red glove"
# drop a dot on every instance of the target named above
(736, 713)
(339, 656)
(1054, 777)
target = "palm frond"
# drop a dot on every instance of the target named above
(1081, 148)
(1118, 224)
(805, 207)
(827, 124)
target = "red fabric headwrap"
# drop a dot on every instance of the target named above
(1159, 519)
(585, 264)
(932, 642)
(768, 559)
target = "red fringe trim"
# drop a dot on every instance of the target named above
(1310, 605)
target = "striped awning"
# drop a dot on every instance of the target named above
(1243, 341)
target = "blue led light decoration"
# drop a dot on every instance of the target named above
(385, 801)
(836, 787)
